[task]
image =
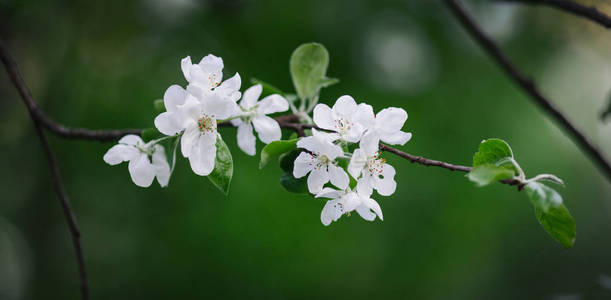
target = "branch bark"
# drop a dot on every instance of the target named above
(57, 181)
(529, 87)
(588, 12)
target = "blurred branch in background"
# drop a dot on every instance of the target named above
(40, 120)
(529, 87)
(589, 12)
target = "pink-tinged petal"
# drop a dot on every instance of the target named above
(272, 104)
(304, 163)
(390, 120)
(250, 97)
(141, 171)
(267, 128)
(316, 180)
(246, 139)
(323, 117)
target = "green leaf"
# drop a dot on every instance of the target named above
(150, 134)
(542, 196)
(308, 66)
(267, 89)
(485, 174)
(275, 149)
(491, 151)
(223, 167)
(294, 185)
(551, 213)
(159, 106)
(287, 160)
(559, 223)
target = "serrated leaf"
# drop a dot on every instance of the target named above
(491, 151)
(294, 185)
(559, 223)
(150, 134)
(267, 89)
(485, 174)
(542, 196)
(275, 149)
(223, 167)
(159, 106)
(308, 66)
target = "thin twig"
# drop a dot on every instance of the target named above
(529, 87)
(57, 181)
(588, 12)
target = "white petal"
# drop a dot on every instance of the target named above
(329, 193)
(373, 205)
(357, 163)
(189, 139)
(230, 87)
(330, 212)
(131, 139)
(190, 111)
(396, 138)
(267, 128)
(365, 116)
(304, 163)
(120, 153)
(141, 171)
(250, 97)
(174, 96)
(325, 136)
(323, 117)
(203, 157)
(272, 104)
(168, 123)
(218, 106)
(185, 65)
(350, 201)
(365, 213)
(370, 143)
(161, 166)
(363, 186)
(246, 139)
(338, 177)
(345, 106)
(316, 180)
(236, 122)
(386, 186)
(213, 66)
(390, 120)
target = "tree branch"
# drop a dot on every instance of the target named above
(588, 12)
(529, 87)
(57, 181)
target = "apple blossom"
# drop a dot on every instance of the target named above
(319, 162)
(207, 76)
(141, 169)
(253, 113)
(342, 118)
(346, 201)
(385, 125)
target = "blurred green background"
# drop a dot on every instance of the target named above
(100, 64)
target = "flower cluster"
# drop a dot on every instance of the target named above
(192, 114)
(347, 124)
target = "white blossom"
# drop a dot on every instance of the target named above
(342, 118)
(253, 113)
(385, 125)
(319, 162)
(377, 174)
(207, 76)
(146, 160)
(346, 201)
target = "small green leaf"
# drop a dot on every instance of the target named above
(491, 151)
(308, 67)
(267, 89)
(223, 167)
(159, 106)
(275, 149)
(294, 185)
(542, 196)
(150, 134)
(287, 160)
(559, 223)
(485, 174)
(327, 81)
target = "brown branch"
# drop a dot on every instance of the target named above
(529, 87)
(57, 181)
(588, 12)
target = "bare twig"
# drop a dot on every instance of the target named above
(529, 87)
(57, 181)
(588, 12)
